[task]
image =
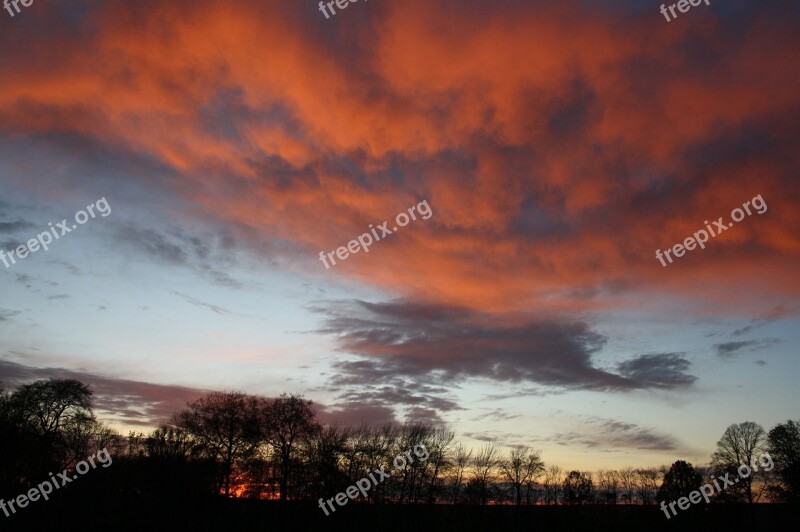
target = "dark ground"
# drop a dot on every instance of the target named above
(94, 513)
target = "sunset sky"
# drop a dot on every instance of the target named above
(559, 144)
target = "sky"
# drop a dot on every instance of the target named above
(549, 149)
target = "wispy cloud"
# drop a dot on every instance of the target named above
(610, 434)
(730, 350)
(210, 306)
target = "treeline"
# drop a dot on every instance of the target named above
(237, 445)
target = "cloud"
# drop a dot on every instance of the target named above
(498, 414)
(403, 397)
(730, 350)
(11, 227)
(6, 315)
(213, 308)
(119, 400)
(612, 434)
(203, 253)
(436, 344)
(775, 314)
(609, 143)
(493, 436)
(355, 414)
(663, 370)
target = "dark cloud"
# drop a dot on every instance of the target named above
(418, 414)
(124, 401)
(438, 344)
(663, 370)
(356, 414)
(729, 350)
(10, 227)
(403, 397)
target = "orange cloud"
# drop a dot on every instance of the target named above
(557, 149)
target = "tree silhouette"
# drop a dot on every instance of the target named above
(483, 465)
(51, 425)
(608, 484)
(325, 455)
(784, 449)
(520, 469)
(461, 459)
(229, 444)
(224, 427)
(681, 479)
(286, 423)
(647, 483)
(578, 488)
(739, 446)
(553, 484)
(439, 459)
(627, 481)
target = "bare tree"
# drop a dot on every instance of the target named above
(534, 467)
(51, 404)
(372, 448)
(740, 445)
(169, 443)
(608, 483)
(647, 483)
(784, 449)
(53, 422)
(483, 465)
(578, 488)
(412, 472)
(627, 482)
(224, 426)
(286, 423)
(461, 459)
(553, 480)
(520, 469)
(438, 447)
(326, 456)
